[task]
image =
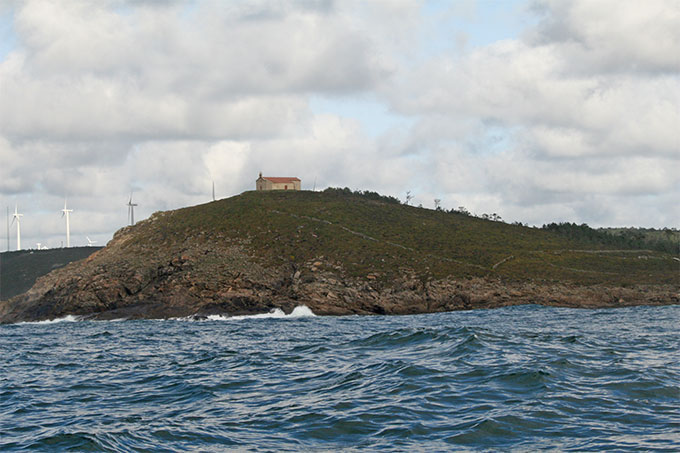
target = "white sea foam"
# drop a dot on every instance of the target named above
(301, 311)
(68, 318)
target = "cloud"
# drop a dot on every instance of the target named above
(587, 105)
(575, 118)
(610, 36)
(87, 70)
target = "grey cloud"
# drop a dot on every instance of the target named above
(612, 36)
(167, 50)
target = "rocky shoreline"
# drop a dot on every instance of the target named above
(96, 288)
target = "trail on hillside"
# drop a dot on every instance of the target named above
(371, 238)
(452, 260)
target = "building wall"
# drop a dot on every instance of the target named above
(293, 185)
(265, 184)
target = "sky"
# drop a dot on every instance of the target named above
(537, 110)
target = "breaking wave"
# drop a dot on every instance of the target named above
(68, 318)
(301, 311)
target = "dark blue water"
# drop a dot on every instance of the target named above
(523, 378)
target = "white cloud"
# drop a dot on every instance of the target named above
(589, 104)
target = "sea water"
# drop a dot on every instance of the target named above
(522, 378)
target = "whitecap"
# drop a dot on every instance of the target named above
(67, 318)
(301, 311)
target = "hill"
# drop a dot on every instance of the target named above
(20, 269)
(339, 252)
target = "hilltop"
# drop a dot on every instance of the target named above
(339, 252)
(20, 269)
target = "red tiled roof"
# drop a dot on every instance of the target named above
(280, 179)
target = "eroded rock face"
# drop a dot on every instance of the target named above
(202, 276)
(180, 286)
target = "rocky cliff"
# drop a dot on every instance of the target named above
(337, 253)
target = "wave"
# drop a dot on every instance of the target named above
(471, 381)
(407, 337)
(301, 311)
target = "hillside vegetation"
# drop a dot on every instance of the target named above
(666, 240)
(373, 235)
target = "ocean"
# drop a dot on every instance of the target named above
(518, 378)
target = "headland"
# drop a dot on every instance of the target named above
(339, 253)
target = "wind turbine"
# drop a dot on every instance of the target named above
(90, 242)
(17, 218)
(131, 210)
(213, 190)
(66, 213)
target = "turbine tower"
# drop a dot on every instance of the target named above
(131, 210)
(8, 228)
(17, 218)
(66, 213)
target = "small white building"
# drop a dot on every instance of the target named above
(277, 183)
